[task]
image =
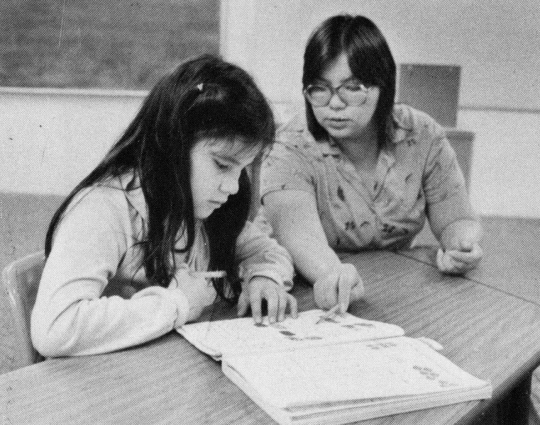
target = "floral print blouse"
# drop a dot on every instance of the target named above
(417, 170)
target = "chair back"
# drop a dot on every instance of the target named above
(21, 279)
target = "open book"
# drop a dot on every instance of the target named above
(341, 370)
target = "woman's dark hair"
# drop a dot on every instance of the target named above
(370, 61)
(204, 97)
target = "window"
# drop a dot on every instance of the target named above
(120, 44)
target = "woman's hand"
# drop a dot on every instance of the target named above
(459, 260)
(277, 300)
(461, 249)
(343, 285)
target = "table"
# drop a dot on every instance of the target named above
(488, 333)
(511, 262)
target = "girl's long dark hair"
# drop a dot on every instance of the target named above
(370, 60)
(204, 97)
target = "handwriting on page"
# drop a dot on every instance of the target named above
(424, 371)
(290, 334)
(399, 368)
(397, 364)
(241, 335)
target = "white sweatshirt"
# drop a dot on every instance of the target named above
(94, 296)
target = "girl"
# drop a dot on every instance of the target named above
(169, 200)
(360, 172)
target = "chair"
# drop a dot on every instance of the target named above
(21, 279)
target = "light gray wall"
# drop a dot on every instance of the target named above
(50, 139)
(496, 42)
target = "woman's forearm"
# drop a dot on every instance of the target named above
(460, 231)
(296, 226)
(312, 257)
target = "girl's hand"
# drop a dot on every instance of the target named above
(458, 261)
(339, 286)
(277, 299)
(194, 288)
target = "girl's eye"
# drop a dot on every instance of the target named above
(221, 165)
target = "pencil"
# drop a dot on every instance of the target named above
(328, 314)
(210, 275)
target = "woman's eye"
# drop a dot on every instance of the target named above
(318, 89)
(353, 87)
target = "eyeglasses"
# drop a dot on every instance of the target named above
(351, 93)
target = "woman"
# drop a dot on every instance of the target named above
(360, 172)
(129, 249)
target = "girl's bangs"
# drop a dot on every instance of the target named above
(233, 145)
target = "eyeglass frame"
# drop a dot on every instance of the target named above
(335, 90)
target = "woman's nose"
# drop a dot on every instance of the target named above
(336, 102)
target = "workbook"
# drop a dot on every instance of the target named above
(336, 370)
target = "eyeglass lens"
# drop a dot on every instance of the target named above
(351, 94)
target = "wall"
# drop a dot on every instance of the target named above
(50, 139)
(505, 177)
(494, 42)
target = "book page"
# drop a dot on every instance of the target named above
(359, 371)
(243, 335)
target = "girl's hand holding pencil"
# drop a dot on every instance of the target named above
(194, 285)
(218, 274)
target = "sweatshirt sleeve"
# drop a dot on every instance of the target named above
(70, 316)
(260, 255)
